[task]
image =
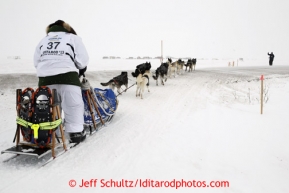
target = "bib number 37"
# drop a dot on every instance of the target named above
(52, 45)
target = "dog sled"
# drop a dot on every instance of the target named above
(39, 126)
(100, 106)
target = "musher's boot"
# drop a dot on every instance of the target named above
(77, 137)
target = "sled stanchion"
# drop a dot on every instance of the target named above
(53, 119)
(61, 128)
(56, 112)
(53, 144)
(18, 136)
(86, 88)
(17, 133)
(95, 106)
(90, 108)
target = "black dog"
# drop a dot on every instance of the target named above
(194, 62)
(162, 72)
(140, 69)
(117, 82)
(191, 63)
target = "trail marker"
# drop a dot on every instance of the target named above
(262, 79)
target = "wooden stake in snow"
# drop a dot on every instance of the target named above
(262, 79)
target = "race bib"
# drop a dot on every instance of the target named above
(57, 47)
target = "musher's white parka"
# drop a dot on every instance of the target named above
(59, 53)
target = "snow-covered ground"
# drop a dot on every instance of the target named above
(204, 126)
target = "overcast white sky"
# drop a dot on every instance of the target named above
(188, 28)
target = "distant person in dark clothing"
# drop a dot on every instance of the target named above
(271, 58)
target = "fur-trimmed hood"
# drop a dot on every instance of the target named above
(60, 25)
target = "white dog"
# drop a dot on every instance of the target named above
(142, 80)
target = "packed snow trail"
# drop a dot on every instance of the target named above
(182, 130)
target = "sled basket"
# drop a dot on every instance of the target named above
(99, 106)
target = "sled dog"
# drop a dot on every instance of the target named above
(161, 72)
(172, 67)
(194, 62)
(180, 66)
(117, 82)
(141, 69)
(189, 64)
(142, 80)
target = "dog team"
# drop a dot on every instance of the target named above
(142, 74)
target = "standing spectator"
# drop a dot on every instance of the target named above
(271, 58)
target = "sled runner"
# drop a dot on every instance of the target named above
(38, 118)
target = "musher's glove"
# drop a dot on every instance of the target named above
(81, 72)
